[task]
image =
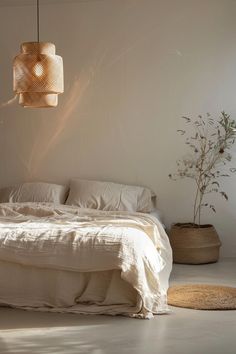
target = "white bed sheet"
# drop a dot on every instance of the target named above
(111, 267)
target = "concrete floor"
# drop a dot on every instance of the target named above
(183, 331)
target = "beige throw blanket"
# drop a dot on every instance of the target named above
(83, 240)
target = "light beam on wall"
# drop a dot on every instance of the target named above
(38, 73)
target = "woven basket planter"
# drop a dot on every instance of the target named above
(194, 245)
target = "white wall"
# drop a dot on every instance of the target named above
(132, 68)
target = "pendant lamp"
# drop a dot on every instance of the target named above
(38, 73)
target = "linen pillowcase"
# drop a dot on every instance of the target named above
(34, 192)
(109, 196)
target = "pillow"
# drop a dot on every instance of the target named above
(34, 192)
(109, 196)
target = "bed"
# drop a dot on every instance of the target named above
(65, 258)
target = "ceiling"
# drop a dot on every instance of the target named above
(8, 3)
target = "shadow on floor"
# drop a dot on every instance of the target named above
(48, 341)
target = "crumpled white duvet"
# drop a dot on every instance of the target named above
(67, 240)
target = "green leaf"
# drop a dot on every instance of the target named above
(224, 195)
(186, 118)
(213, 208)
(182, 132)
(217, 183)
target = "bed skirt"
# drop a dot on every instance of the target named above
(40, 289)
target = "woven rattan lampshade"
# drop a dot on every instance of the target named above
(38, 75)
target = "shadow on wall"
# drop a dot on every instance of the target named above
(8, 103)
(75, 96)
(39, 151)
(32, 155)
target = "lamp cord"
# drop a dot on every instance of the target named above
(38, 20)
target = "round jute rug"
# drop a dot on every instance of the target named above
(202, 297)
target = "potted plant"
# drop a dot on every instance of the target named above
(209, 144)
